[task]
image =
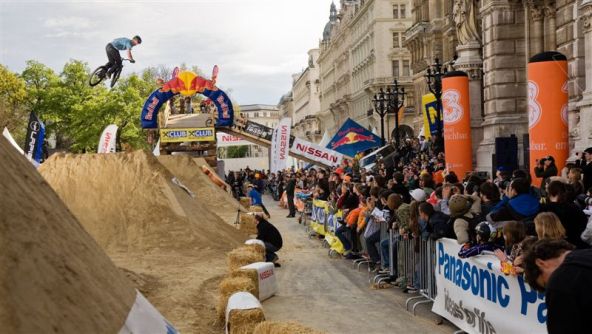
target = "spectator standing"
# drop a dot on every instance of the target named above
(290, 189)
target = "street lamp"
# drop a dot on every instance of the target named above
(389, 102)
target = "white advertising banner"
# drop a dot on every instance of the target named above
(225, 140)
(280, 145)
(11, 140)
(316, 153)
(478, 298)
(145, 318)
(108, 140)
(268, 286)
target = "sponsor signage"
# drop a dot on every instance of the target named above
(225, 140)
(258, 130)
(107, 143)
(478, 298)
(34, 140)
(316, 153)
(187, 135)
(280, 145)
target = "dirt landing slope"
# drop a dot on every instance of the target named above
(54, 278)
(170, 244)
(189, 171)
(129, 203)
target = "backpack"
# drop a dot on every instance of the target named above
(441, 227)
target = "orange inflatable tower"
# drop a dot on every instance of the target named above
(457, 122)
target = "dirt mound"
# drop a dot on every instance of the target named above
(170, 244)
(188, 170)
(54, 276)
(129, 202)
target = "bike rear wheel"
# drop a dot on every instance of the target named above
(116, 75)
(97, 76)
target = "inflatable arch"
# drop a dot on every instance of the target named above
(188, 83)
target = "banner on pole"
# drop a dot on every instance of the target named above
(280, 145)
(430, 115)
(35, 138)
(107, 143)
(11, 140)
(478, 298)
(352, 138)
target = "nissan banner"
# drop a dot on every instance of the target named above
(316, 153)
(280, 145)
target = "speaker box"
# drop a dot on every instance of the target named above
(526, 145)
(506, 153)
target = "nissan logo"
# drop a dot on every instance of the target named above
(35, 126)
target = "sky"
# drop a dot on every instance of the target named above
(258, 44)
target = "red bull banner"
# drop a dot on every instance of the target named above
(188, 83)
(547, 108)
(353, 138)
(316, 153)
(457, 122)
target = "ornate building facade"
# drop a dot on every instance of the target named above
(362, 50)
(494, 40)
(306, 89)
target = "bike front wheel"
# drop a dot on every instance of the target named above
(116, 75)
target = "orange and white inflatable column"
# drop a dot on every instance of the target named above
(547, 108)
(457, 122)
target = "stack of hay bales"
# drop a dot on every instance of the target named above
(274, 327)
(231, 285)
(248, 223)
(243, 256)
(256, 245)
(243, 313)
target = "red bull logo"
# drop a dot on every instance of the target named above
(188, 83)
(352, 138)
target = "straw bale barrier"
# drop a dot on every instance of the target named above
(274, 327)
(231, 285)
(243, 256)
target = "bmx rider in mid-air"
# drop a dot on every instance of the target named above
(113, 48)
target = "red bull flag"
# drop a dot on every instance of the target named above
(353, 138)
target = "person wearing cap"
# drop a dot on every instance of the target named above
(519, 204)
(418, 195)
(585, 163)
(464, 211)
(546, 168)
(256, 199)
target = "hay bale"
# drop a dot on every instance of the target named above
(251, 274)
(274, 327)
(255, 209)
(245, 201)
(248, 223)
(244, 321)
(231, 285)
(243, 256)
(257, 248)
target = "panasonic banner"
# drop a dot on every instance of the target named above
(280, 145)
(35, 138)
(478, 298)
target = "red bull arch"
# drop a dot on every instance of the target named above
(187, 83)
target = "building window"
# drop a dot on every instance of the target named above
(403, 14)
(395, 11)
(406, 68)
(256, 114)
(395, 68)
(396, 43)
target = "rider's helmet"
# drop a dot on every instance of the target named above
(485, 232)
(138, 38)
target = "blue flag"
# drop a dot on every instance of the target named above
(353, 138)
(35, 139)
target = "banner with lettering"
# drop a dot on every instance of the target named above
(35, 138)
(280, 145)
(430, 115)
(316, 153)
(225, 140)
(478, 298)
(108, 140)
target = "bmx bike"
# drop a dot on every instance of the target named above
(100, 74)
